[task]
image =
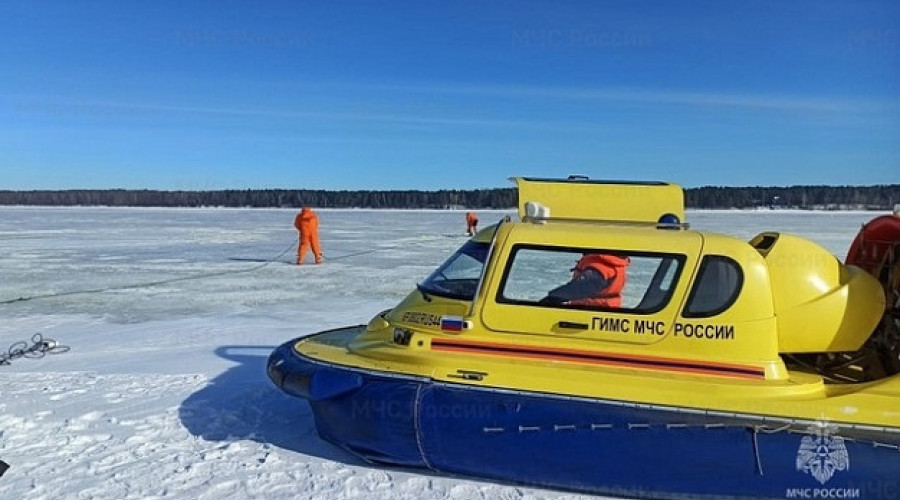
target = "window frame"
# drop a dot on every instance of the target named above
(695, 287)
(678, 259)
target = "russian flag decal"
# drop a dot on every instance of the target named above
(452, 323)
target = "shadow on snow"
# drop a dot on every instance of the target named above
(242, 403)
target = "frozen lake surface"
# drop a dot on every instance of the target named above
(170, 315)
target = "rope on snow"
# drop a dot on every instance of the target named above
(187, 278)
(39, 347)
(150, 283)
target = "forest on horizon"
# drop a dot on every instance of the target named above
(879, 197)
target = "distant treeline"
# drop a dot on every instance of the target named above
(804, 197)
(260, 198)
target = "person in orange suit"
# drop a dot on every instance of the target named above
(307, 222)
(471, 223)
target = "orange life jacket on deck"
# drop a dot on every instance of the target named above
(611, 267)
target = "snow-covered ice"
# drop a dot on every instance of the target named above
(170, 315)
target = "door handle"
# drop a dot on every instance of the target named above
(572, 325)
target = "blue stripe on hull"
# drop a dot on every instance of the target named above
(591, 446)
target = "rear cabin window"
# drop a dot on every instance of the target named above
(589, 279)
(718, 285)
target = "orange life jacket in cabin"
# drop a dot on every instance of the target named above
(611, 267)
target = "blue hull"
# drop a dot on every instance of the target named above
(595, 446)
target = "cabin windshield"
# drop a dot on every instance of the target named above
(457, 278)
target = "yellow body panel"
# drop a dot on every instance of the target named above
(602, 200)
(821, 304)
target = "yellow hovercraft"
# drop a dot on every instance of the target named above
(718, 368)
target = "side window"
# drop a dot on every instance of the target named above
(589, 279)
(718, 285)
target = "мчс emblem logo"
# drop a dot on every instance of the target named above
(822, 454)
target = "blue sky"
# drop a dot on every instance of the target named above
(446, 94)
